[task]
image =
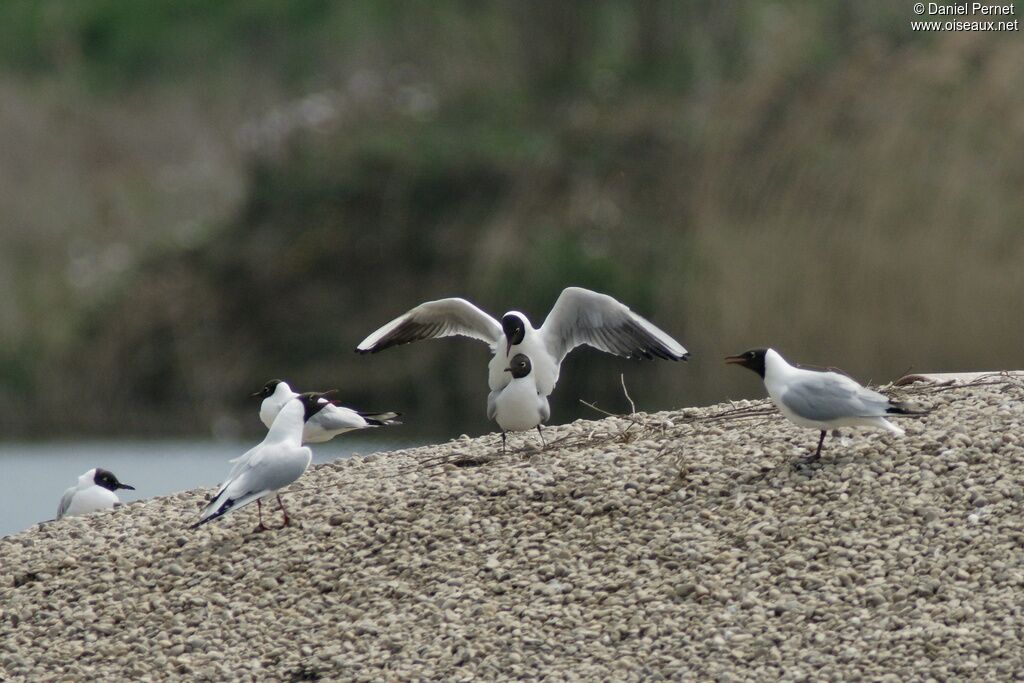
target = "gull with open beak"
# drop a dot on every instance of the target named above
(821, 399)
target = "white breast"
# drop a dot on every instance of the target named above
(518, 407)
(91, 499)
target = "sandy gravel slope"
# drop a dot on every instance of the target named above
(677, 545)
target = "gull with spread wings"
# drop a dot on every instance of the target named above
(578, 317)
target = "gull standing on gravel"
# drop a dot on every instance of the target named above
(820, 399)
(328, 422)
(93, 492)
(277, 461)
(519, 406)
(578, 317)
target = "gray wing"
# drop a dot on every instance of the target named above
(65, 502)
(581, 316)
(255, 474)
(492, 403)
(332, 417)
(433, 319)
(238, 465)
(829, 396)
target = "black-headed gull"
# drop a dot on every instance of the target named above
(578, 317)
(518, 406)
(277, 461)
(93, 492)
(820, 399)
(328, 422)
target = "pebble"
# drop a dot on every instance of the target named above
(691, 550)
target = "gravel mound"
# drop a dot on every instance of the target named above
(680, 545)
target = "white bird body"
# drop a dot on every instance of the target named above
(327, 423)
(276, 462)
(863, 407)
(533, 346)
(519, 406)
(86, 497)
(91, 499)
(821, 400)
(92, 493)
(333, 420)
(578, 317)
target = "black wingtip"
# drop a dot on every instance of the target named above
(897, 409)
(382, 423)
(387, 419)
(656, 352)
(223, 510)
(215, 515)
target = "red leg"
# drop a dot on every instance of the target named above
(262, 526)
(287, 519)
(817, 453)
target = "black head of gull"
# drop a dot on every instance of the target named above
(514, 327)
(268, 388)
(752, 360)
(519, 366)
(313, 402)
(106, 479)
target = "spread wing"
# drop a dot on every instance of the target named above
(581, 316)
(830, 396)
(433, 319)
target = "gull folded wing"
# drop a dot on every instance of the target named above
(433, 319)
(581, 316)
(828, 396)
(65, 502)
(254, 476)
(332, 418)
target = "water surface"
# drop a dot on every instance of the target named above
(36, 474)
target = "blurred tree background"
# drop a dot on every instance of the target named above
(199, 196)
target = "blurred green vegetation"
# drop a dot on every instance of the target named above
(205, 195)
(116, 44)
